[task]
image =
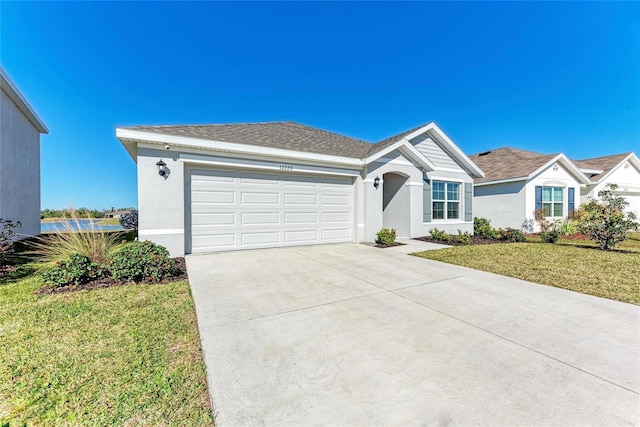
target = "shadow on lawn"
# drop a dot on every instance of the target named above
(13, 273)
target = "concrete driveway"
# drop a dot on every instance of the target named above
(353, 335)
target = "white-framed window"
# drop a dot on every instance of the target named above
(553, 201)
(445, 198)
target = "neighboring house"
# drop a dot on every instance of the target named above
(241, 186)
(621, 169)
(519, 182)
(116, 214)
(20, 129)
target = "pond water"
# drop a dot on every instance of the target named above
(79, 225)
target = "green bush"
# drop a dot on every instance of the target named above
(440, 235)
(463, 238)
(568, 227)
(386, 236)
(605, 221)
(76, 270)
(511, 235)
(141, 261)
(550, 236)
(482, 227)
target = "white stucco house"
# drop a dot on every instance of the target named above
(621, 169)
(20, 129)
(519, 182)
(226, 187)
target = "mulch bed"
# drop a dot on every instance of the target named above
(181, 274)
(390, 245)
(475, 240)
(7, 269)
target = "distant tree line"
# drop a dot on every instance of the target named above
(80, 212)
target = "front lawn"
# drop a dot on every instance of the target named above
(123, 355)
(570, 264)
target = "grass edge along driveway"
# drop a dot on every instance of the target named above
(574, 265)
(124, 355)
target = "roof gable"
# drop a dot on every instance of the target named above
(511, 164)
(606, 164)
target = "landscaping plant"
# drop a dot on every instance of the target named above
(77, 270)
(440, 235)
(511, 235)
(605, 221)
(482, 227)
(8, 237)
(386, 236)
(96, 244)
(143, 262)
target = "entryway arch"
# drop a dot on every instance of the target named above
(395, 203)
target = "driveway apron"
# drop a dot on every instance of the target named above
(354, 335)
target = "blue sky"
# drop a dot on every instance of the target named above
(546, 76)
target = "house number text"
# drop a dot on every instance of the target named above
(286, 167)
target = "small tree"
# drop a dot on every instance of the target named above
(8, 236)
(605, 221)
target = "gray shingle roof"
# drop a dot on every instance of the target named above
(284, 135)
(381, 145)
(605, 163)
(507, 163)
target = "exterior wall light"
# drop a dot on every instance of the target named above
(376, 182)
(162, 168)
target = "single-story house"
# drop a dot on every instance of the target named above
(20, 129)
(225, 187)
(622, 169)
(116, 214)
(518, 182)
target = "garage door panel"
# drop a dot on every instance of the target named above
(336, 217)
(236, 210)
(301, 236)
(300, 199)
(215, 241)
(216, 197)
(260, 238)
(336, 235)
(213, 219)
(260, 218)
(297, 218)
(336, 200)
(260, 198)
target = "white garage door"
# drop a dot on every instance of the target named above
(634, 203)
(243, 210)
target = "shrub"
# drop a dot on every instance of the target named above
(550, 236)
(96, 244)
(386, 236)
(76, 270)
(568, 227)
(141, 261)
(482, 227)
(605, 221)
(511, 235)
(7, 238)
(440, 235)
(463, 238)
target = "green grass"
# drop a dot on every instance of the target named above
(569, 264)
(121, 355)
(109, 221)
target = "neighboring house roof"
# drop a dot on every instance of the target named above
(283, 135)
(292, 136)
(14, 94)
(602, 166)
(512, 164)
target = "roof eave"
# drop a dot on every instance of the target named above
(16, 96)
(130, 135)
